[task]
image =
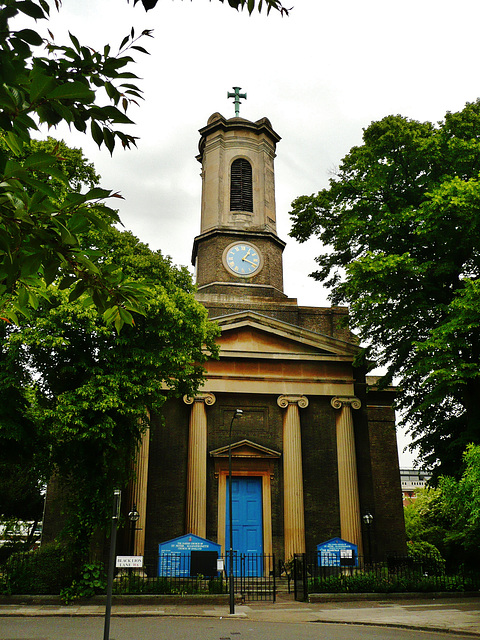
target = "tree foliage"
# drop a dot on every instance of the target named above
(400, 223)
(235, 4)
(91, 388)
(40, 234)
(426, 520)
(21, 491)
(448, 516)
(462, 502)
(75, 394)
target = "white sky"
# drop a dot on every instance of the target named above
(320, 76)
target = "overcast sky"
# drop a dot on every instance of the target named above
(321, 75)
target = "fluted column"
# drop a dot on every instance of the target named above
(138, 494)
(293, 507)
(196, 516)
(350, 523)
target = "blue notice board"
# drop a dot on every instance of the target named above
(337, 553)
(174, 556)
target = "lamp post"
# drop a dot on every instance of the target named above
(117, 495)
(133, 516)
(368, 519)
(237, 414)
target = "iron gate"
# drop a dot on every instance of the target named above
(254, 576)
(300, 579)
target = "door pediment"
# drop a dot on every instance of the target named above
(246, 449)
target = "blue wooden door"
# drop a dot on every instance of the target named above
(247, 522)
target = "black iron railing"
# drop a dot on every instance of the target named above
(168, 574)
(321, 573)
(174, 573)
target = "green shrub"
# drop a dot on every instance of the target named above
(215, 585)
(92, 580)
(357, 583)
(426, 557)
(388, 582)
(133, 583)
(9, 548)
(44, 571)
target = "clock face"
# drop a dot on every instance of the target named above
(242, 259)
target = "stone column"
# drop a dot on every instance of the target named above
(138, 493)
(293, 507)
(196, 516)
(350, 524)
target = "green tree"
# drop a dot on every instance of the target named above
(79, 173)
(462, 501)
(23, 473)
(400, 223)
(448, 516)
(93, 388)
(21, 496)
(75, 395)
(426, 520)
(22, 478)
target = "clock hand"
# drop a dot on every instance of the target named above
(249, 262)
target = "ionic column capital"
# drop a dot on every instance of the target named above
(207, 398)
(284, 401)
(338, 402)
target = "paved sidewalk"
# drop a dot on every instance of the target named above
(454, 615)
(460, 615)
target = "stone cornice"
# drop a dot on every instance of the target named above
(217, 122)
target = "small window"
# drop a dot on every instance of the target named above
(241, 192)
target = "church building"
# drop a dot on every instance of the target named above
(312, 440)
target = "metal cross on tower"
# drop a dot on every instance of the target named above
(237, 95)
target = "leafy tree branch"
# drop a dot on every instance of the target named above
(249, 5)
(39, 233)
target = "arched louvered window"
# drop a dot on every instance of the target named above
(241, 192)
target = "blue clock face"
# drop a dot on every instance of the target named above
(243, 259)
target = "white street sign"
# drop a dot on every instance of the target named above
(129, 562)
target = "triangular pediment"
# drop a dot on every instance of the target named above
(245, 449)
(250, 334)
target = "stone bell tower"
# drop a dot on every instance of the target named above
(238, 252)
